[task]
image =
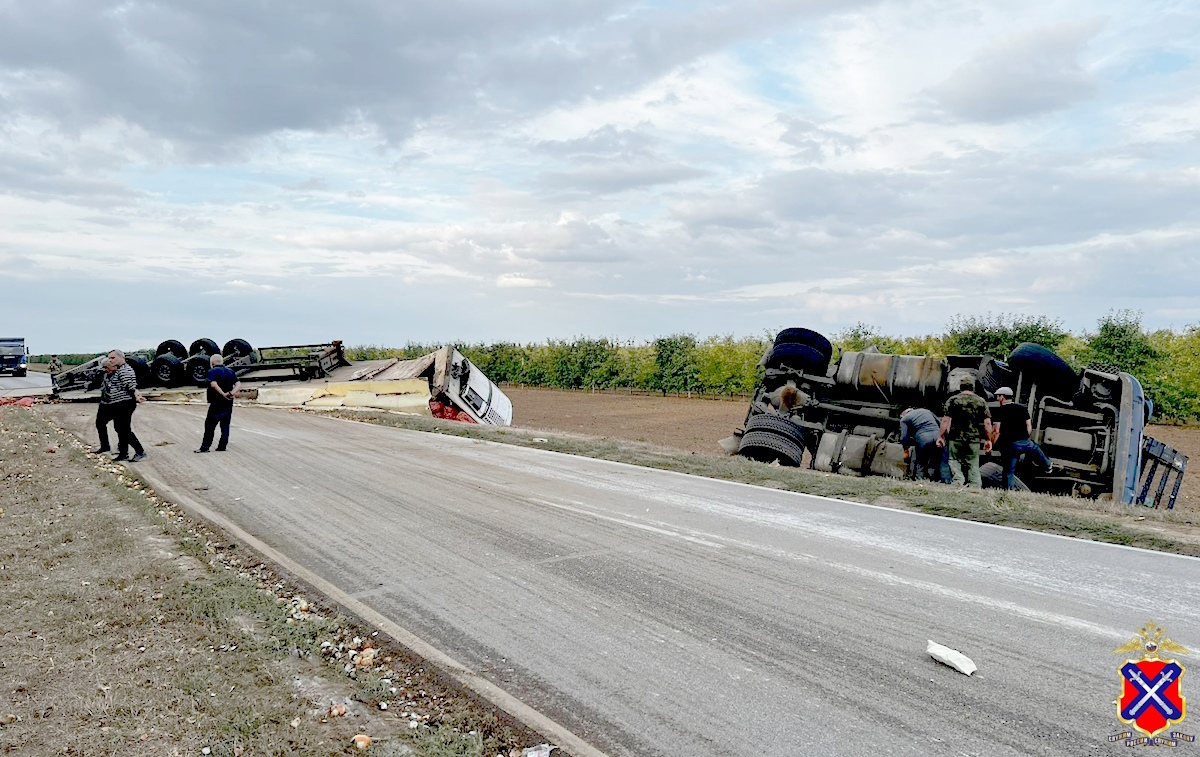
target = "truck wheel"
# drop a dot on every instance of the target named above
(172, 347)
(769, 447)
(141, 370)
(236, 348)
(195, 370)
(20, 372)
(1050, 372)
(166, 370)
(807, 337)
(204, 347)
(799, 357)
(776, 424)
(996, 374)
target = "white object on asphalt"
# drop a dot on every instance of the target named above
(951, 657)
(541, 750)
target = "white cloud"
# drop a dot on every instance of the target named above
(520, 281)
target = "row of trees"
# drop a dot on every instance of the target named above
(1166, 361)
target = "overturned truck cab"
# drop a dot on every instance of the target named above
(846, 415)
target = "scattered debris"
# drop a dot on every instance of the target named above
(541, 750)
(951, 657)
(362, 741)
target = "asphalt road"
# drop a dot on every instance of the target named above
(660, 614)
(31, 384)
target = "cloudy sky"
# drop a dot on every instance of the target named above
(381, 171)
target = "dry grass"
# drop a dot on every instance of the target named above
(1163, 530)
(130, 629)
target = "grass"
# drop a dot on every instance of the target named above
(1160, 530)
(131, 629)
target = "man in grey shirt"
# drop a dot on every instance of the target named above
(119, 397)
(919, 430)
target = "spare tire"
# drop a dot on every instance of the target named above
(166, 370)
(195, 370)
(807, 337)
(1038, 365)
(141, 370)
(996, 374)
(776, 424)
(204, 347)
(798, 357)
(172, 347)
(769, 447)
(236, 348)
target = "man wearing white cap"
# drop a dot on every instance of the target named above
(1011, 428)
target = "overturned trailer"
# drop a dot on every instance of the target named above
(846, 415)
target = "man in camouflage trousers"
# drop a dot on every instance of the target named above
(967, 429)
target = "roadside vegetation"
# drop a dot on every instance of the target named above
(1175, 531)
(1167, 362)
(131, 629)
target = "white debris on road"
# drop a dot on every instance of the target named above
(951, 657)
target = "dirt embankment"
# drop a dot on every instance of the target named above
(695, 425)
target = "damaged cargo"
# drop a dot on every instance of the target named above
(845, 414)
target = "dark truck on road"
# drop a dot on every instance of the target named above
(14, 355)
(846, 415)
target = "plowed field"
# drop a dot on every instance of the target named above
(695, 425)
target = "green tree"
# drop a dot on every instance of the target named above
(675, 363)
(999, 335)
(1121, 341)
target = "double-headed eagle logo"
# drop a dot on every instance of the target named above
(1151, 700)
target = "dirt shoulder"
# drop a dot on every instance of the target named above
(132, 629)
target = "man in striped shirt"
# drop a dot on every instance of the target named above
(119, 397)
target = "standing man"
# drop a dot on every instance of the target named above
(919, 430)
(119, 397)
(56, 365)
(1011, 429)
(966, 427)
(222, 384)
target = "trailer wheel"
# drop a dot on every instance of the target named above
(195, 370)
(776, 424)
(798, 357)
(204, 347)
(807, 337)
(769, 447)
(166, 370)
(1050, 372)
(141, 370)
(236, 348)
(996, 374)
(172, 347)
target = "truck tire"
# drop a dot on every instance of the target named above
(166, 370)
(799, 357)
(236, 348)
(20, 372)
(769, 447)
(776, 424)
(204, 347)
(1041, 366)
(808, 338)
(141, 370)
(996, 374)
(172, 347)
(195, 370)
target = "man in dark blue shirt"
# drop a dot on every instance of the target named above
(222, 384)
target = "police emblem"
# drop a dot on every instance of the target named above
(1151, 699)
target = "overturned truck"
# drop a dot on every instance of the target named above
(846, 415)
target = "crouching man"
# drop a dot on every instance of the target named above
(919, 432)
